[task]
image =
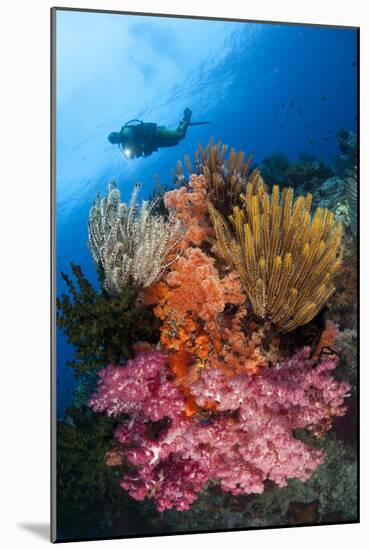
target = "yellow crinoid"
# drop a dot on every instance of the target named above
(285, 257)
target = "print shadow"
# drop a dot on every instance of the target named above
(42, 530)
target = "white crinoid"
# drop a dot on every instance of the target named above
(130, 243)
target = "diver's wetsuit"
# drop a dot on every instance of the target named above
(138, 138)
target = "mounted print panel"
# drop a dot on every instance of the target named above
(205, 274)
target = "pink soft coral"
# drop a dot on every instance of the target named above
(247, 440)
(140, 384)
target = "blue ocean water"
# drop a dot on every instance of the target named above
(265, 87)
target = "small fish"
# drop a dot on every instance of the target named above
(326, 139)
(353, 64)
(281, 126)
(311, 142)
(324, 97)
(299, 110)
(292, 103)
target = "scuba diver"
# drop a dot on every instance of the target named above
(141, 139)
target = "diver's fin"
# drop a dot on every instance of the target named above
(199, 123)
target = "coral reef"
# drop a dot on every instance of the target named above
(305, 175)
(247, 440)
(101, 328)
(327, 339)
(83, 440)
(91, 502)
(340, 195)
(347, 141)
(217, 362)
(285, 259)
(346, 162)
(311, 175)
(330, 494)
(188, 205)
(203, 322)
(308, 173)
(274, 167)
(331, 192)
(343, 303)
(130, 246)
(351, 192)
(225, 175)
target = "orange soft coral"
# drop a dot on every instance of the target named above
(188, 204)
(195, 287)
(327, 338)
(203, 316)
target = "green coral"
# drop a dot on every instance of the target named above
(90, 502)
(83, 438)
(83, 478)
(85, 387)
(102, 328)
